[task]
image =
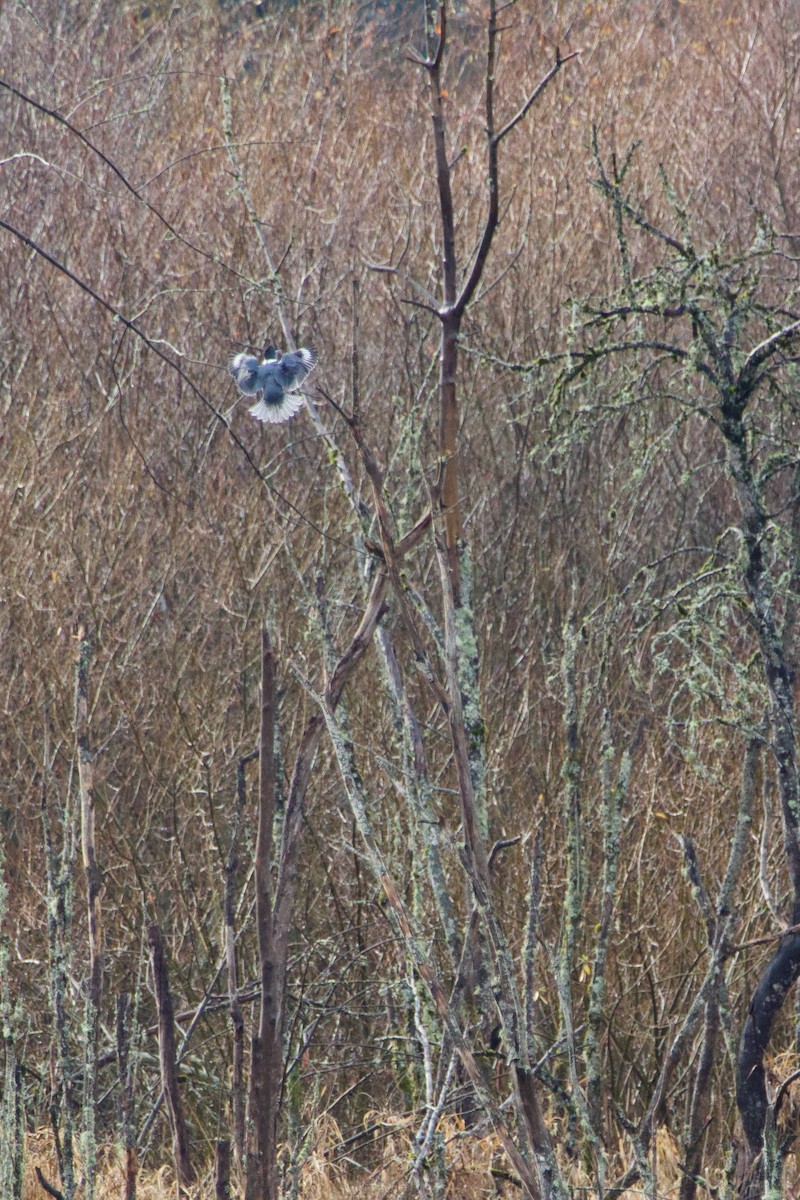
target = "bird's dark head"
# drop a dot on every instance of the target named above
(270, 353)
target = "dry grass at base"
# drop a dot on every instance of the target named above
(150, 1184)
(476, 1168)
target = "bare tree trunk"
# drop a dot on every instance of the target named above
(12, 1136)
(456, 296)
(125, 1122)
(93, 887)
(779, 975)
(229, 933)
(783, 968)
(222, 1171)
(448, 448)
(718, 922)
(273, 917)
(700, 1102)
(266, 1051)
(59, 916)
(166, 1048)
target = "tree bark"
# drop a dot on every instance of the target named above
(125, 1100)
(783, 968)
(779, 975)
(93, 888)
(266, 1059)
(222, 1171)
(169, 1072)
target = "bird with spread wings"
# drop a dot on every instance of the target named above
(278, 377)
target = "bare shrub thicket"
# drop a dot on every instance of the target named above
(223, 176)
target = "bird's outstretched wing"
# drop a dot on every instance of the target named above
(277, 378)
(244, 369)
(294, 368)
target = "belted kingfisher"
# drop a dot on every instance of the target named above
(278, 377)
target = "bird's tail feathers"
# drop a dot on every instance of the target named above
(274, 413)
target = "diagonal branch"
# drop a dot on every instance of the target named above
(535, 94)
(764, 349)
(112, 166)
(176, 367)
(494, 139)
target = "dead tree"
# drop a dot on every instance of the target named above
(93, 888)
(169, 1069)
(458, 287)
(275, 902)
(125, 1103)
(266, 1059)
(222, 1170)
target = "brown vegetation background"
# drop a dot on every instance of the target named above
(126, 505)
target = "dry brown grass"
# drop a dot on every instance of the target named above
(476, 1168)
